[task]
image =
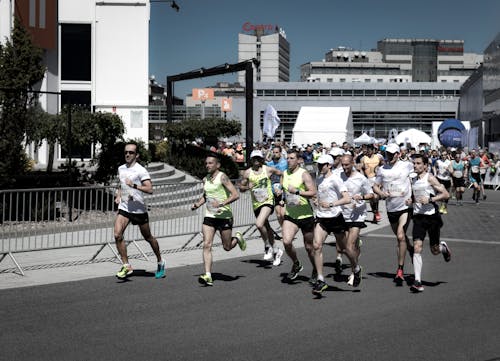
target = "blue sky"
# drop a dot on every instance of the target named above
(204, 33)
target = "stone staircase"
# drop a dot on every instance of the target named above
(172, 187)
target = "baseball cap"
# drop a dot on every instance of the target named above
(256, 153)
(336, 151)
(392, 148)
(325, 159)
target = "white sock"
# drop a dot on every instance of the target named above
(208, 274)
(339, 256)
(357, 268)
(417, 266)
(321, 278)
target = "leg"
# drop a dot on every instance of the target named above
(121, 224)
(290, 229)
(146, 233)
(262, 224)
(399, 230)
(208, 238)
(319, 236)
(228, 241)
(308, 236)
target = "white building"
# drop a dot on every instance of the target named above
(96, 54)
(396, 60)
(268, 44)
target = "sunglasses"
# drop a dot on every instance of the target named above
(129, 152)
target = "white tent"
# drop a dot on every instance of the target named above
(365, 139)
(323, 124)
(414, 137)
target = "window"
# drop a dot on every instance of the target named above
(342, 80)
(76, 52)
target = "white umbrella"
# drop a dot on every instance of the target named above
(364, 139)
(414, 137)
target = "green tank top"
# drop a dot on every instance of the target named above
(297, 207)
(262, 191)
(215, 190)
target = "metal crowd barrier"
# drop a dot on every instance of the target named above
(492, 179)
(44, 219)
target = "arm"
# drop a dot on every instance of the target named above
(232, 190)
(146, 185)
(442, 193)
(245, 183)
(199, 203)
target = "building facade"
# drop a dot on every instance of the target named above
(396, 60)
(88, 47)
(267, 44)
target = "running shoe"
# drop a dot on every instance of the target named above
(319, 287)
(399, 278)
(206, 280)
(314, 277)
(350, 280)
(296, 268)
(241, 241)
(445, 210)
(277, 257)
(160, 271)
(446, 252)
(484, 197)
(417, 287)
(357, 277)
(378, 216)
(359, 243)
(441, 208)
(338, 265)
(268, 254)
(125, 271)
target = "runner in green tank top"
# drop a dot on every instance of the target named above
(219, 192)
(298, 188)
(257, 180)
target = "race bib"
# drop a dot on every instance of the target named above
(475, 169)
(210, 206)
(260, 194)
(395, 189)
(292, 200)
(458, 174)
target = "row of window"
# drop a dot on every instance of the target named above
(358, 92)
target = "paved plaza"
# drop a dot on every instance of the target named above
(67, 308)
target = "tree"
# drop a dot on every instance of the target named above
(209, 130)
(20, 69)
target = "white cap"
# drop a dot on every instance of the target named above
(325, 159)
(256, 153)
(336, 151)
(392, 148)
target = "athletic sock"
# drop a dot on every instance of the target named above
(417, 266)
(321, 278)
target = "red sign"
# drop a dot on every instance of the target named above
(450, 49)
(227, 104)
(247, 27)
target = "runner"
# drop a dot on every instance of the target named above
(475, 165)
(427, 190)
(485, 164)
(354, 213)
(443, 175)
(332, 193)
(298, 188)
(393, 184)
(257, 180)
(219, 192)
(279, 162)
(369, 164)
(134, 181)
(457, 170)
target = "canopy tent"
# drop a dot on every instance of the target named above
(365, 139)
(323, 124)
(414, 137)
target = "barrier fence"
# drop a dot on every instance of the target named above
(44, 219)
(492, 178)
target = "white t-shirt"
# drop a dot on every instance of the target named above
(355, 184)
(329, 190)
(132, 200)
(395, 179)
(442, 168)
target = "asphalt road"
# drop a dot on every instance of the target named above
(250, 314)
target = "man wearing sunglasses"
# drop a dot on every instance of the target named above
(134, 182)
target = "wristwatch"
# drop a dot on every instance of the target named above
(297, 192)
(135, 186)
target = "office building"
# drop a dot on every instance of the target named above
(268, 44)
(395, 60)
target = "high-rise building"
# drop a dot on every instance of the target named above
(268, 44)
(396, 60)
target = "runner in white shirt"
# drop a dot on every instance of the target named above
(332, 193)
(354, 213)
(443, 174)
(134, 182)
(392, 183)
(426, 219)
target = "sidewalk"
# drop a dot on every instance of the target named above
(73, 264)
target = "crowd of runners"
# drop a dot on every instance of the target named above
(318, 191)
